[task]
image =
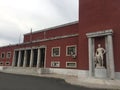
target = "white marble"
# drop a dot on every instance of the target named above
(109, 54)
(101, 73)
(38, 58)
(25, 59)
(31, 58)
(111, 57)
(19, 59)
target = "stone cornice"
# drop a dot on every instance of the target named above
(53, 38)
(100, 33)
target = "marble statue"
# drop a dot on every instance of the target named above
(99, 56)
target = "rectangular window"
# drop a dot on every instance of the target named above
(1, 63)
(8, 54)
(71, 65)
(2, 55)
(7, 63)
(55, 51)
(71, 50)
(55, 64)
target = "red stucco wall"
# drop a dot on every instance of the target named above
(94, 15)
(62, 43)
(60, 31)
(6, 50)
(98, 15)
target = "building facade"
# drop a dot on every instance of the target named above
(71, 48)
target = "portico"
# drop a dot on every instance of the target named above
(30, 57)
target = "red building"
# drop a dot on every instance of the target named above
(71, 48)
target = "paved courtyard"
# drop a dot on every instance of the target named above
(21, 82)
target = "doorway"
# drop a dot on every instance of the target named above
(22, 58)
(35, 52)
(28, 58)
(16, 58)
(42, 57)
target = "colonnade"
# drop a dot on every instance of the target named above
(34, 57)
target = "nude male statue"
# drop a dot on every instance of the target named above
(99, 56)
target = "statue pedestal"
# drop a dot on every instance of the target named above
(100, 72)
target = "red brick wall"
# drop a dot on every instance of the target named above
(98, 15)
(6, 50)
(62, 43)
(61, 31)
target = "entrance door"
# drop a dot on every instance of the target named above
(42, 57)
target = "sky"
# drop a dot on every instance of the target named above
(17, 17)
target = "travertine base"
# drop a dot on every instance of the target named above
(101, 73)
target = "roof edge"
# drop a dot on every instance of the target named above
(54, 27)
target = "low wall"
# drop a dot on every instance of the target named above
(36, 71)
(117, 75)
(19, 70)
(73, 72)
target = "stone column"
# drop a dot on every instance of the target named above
(25, 58)
(38, 58)
(31, 58)
(107, 56)
(14, 58)
(91, 56)
(111, 57)
(19, 59)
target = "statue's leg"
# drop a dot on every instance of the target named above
(98, 61)
(102, 61)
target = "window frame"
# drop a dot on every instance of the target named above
(7, 55)
(1, 63)
(4, 55)
(69, 47)
(53, 52)
(55, 62)
(71, 66)
(7, 62)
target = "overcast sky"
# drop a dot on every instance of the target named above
(17, 17)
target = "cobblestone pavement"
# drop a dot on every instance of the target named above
(23, 82)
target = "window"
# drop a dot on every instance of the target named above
(55, 64)
(9, 55)
(7, 63)
(1, 63)
(71, 64)
(55, 51)
(71, 50)
(2, 55)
